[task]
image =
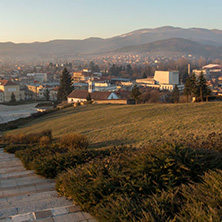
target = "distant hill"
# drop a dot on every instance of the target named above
(176, 45)
(72, 48)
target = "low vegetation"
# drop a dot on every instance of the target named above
(112, 125)
(165, 163)
(148, 184)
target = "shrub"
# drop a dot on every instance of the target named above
(45, 140)
(47, 133)
(202, 202)
(124, 181)
(12, 148)
(74, 141)
(31, 138)
(29, 155)
(51, 165)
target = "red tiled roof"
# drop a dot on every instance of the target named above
(82, 94)
(56, 88)
(100, 95)
(5, 82)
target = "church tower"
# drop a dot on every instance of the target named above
(91, 86)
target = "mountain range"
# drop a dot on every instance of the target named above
(197, 41)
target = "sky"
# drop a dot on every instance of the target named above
(44, 20)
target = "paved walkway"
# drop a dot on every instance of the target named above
(25, 196)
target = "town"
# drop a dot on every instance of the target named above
(41, 83)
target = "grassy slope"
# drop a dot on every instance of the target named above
(107, 125)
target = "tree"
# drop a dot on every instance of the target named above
(13, 99)
(129, 69)
(94, 67)
(47, 95)
(193, 85)
(135, 92)
(88, 98)
(144, 75)
(187, 88)
(175, 95)
(65, 85)
(202, 88)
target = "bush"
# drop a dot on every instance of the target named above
(29, 155)
(45, 140)
(12, 148)
(74, 141)
(202, 202)
(122, 182)
(31, 138)
(51, 165)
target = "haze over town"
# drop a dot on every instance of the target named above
(110, 110)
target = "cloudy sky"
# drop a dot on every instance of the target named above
(43, 20)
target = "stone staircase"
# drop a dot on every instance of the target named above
(25, 196)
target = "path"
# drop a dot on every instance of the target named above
(25, 196)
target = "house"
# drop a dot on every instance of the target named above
(8, 87)
(85, 75)
(53, 94)
(1, 96)
(39, 77)
(81, 95)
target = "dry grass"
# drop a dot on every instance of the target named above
(108, 125)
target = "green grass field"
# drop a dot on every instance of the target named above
(108, 125)
(147, 180)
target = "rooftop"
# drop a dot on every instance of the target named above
(5, 82)
(82, 94)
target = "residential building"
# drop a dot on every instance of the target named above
(81, 95)
(8, 87)
(39, 77)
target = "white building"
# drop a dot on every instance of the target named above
(40, 77)
(167, 77)
(163, 80)
(81, 95)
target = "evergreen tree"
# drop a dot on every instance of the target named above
(135, 92)
(187, 88)
(13, 99)
(193, 85)
(175, 95)
(144, 75)
(65, 85)
(202, 87)
(47, 95)
(94, 67)
(88, 98)
(129, 69)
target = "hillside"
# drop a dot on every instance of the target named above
(153, 162)
(176, 45)
(91, 46)
(108, 125)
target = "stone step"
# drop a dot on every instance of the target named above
(17, 200)
(13, 163)
(34, 205)
(16, 184)
(68, 213)
(27, 190)
(18, 174)
(25, 196)
(12, 169)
